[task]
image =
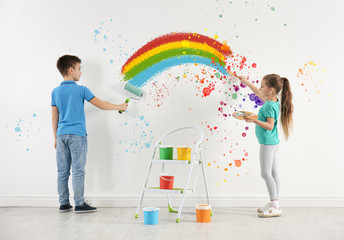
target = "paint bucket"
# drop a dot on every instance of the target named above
(166, 152)
(184, 152)
(166, 180)
(150, 215)
(203, 212)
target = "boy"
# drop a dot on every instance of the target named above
(69, 127)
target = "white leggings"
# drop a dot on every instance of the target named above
(268, 169)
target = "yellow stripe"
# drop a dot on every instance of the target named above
(169, 46)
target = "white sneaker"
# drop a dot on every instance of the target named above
(267, 206)
(270, 212)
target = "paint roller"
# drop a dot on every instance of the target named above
(134, 90)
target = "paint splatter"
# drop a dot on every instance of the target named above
(141, 135)
(256, 100)
(110, 43)
(311, 78)
(238, 163)
(24, 129)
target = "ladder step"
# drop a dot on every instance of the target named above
(169, 191)
(184, 162)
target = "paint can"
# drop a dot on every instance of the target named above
(166, 180)
(184, 152)
(166, 152)
(150, 215)
(203, 213)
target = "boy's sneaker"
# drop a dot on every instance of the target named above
(65, 208)
(86, 208)
(267, 206)
(270, 212)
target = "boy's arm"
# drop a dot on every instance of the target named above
(55, 120)
(108, 106)
(254, 89)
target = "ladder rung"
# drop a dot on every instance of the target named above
(170, 191)
(185, 162)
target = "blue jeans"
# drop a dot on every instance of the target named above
(71, 151)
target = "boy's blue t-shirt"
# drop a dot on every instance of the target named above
(69, 99)
(267, 137)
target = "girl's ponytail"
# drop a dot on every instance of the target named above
(287, 108)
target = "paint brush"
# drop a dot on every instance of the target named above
(233, 74)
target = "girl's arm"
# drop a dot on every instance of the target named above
(254, 89)
(268, 125)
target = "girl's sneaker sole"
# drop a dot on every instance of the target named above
(267, 216)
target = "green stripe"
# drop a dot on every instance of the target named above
(169, 54)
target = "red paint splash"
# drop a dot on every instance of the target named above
(242, 63)
(206, 91)
(254, 65)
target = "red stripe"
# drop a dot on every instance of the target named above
(174, 37)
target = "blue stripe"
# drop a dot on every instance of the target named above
(143, 77)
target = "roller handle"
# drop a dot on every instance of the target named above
(126, 101)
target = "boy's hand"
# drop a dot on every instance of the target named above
(55, 143)
(123, 106)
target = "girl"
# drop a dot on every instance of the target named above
(267, 134)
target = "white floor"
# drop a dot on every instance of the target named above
(119, 223)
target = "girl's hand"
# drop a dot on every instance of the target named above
(243, 79)
(249, 119)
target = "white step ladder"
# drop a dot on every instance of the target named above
(196, 158)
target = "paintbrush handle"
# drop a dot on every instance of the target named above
(233, 74)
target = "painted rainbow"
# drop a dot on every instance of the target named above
(171, 50)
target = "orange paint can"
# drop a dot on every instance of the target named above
(203, 213)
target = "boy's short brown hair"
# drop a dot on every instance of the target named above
(65, 62)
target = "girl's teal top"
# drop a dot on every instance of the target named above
(267, 137)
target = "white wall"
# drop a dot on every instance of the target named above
(35, 33)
